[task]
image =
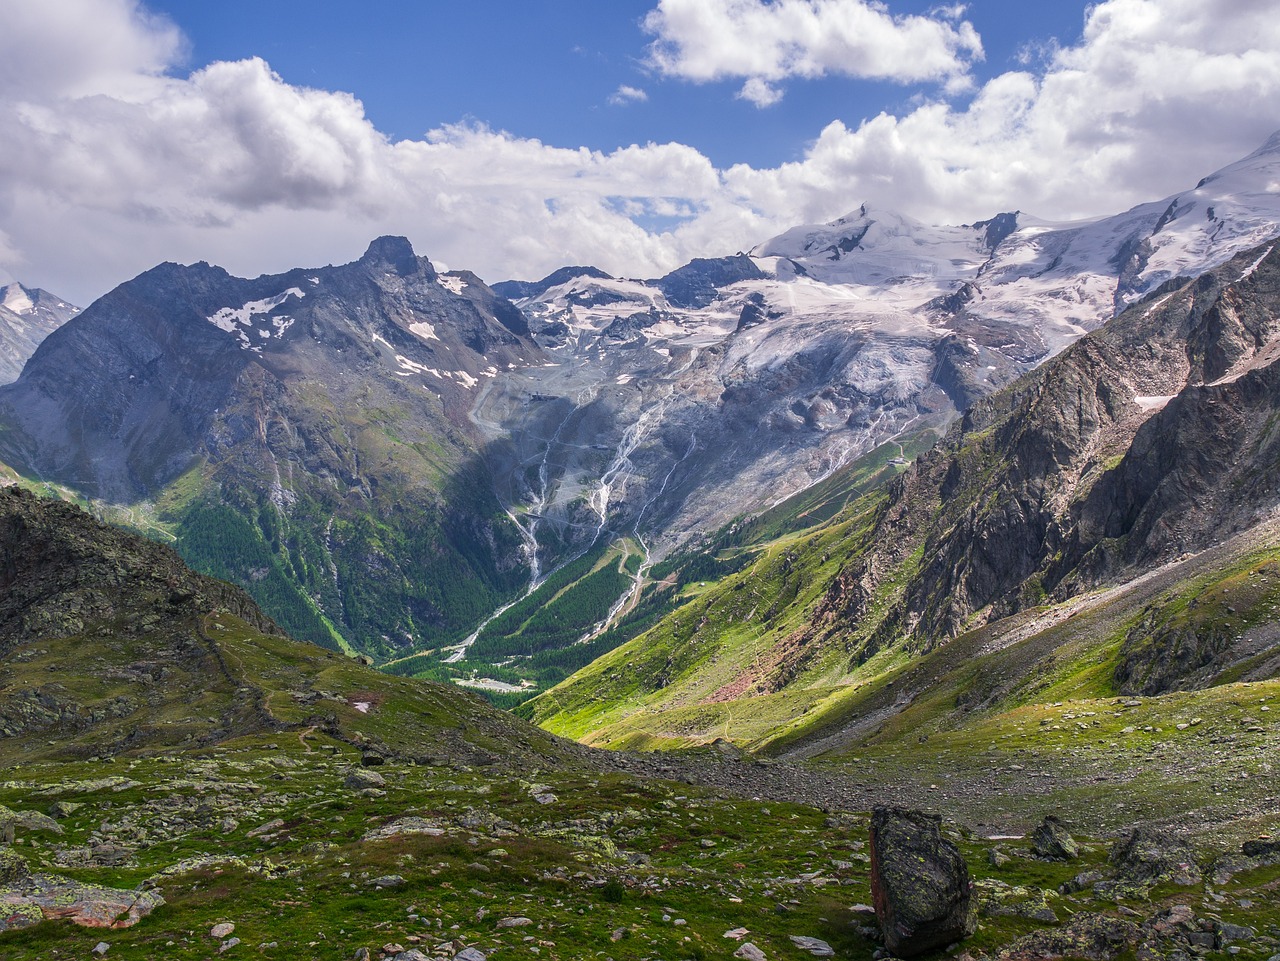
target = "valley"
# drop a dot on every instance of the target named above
(976, 519)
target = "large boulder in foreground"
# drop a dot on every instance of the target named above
(919, 883)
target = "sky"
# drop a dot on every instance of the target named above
(511, 137)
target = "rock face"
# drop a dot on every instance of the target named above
(60, 571)
(1051, 841)
(920, 883)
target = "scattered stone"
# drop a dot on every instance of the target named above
(222, 929)
(919, 882)
(362, 954)
(402, 826)
(997, 858)
(227, 945)
(64, 809)
(361, 779)
(470, 954)
(737, 934)
(545, 798)
(815, 946)
(514, 922)
(386, 881)
(413, 954)
(749, 952)
(101, 948)
(1052, 842)
(268, 828)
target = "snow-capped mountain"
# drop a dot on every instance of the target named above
(277, 418)
(733, 382)
(27, 316)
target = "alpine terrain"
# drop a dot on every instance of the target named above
(409, 465)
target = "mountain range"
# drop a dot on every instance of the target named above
(407, 464)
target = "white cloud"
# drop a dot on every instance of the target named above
(760, 92)
(764, 43)
(112, 165)
(625, 95)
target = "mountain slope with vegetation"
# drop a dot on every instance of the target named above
(1132, 449)
(304, 435)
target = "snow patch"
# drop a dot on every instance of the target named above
(424, 330)
(1255, 265)
(1152, 403)
(454, 285)
(240, 320)
(18, 300)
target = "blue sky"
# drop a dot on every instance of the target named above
(514, 137)
(546, 69)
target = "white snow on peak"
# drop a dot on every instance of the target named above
(240, 320)
(453, 284)
(18, 300)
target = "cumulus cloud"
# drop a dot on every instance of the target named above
(766, 42)
(111, 165)
(625, 95)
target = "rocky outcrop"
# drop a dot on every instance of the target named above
(27, 899)
(1051, 841)
(61, 572)
(919, 882)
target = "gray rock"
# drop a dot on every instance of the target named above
(360, 779)
(222, 929)
(815, 946)
(101, 948)
(470, 954)
(749, 952)
(514, 922)
(1052, 842)
(919, 882)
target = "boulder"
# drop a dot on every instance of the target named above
(1148, 857)
(1092, 936)
(46, 897)
(1261, 848)
(1052, 842)
(360, 779)
(919, 882)
(13, 867)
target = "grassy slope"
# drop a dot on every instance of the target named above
(689, 670)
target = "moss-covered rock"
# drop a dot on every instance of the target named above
(919, 882)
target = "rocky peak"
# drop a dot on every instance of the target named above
(396, 253)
